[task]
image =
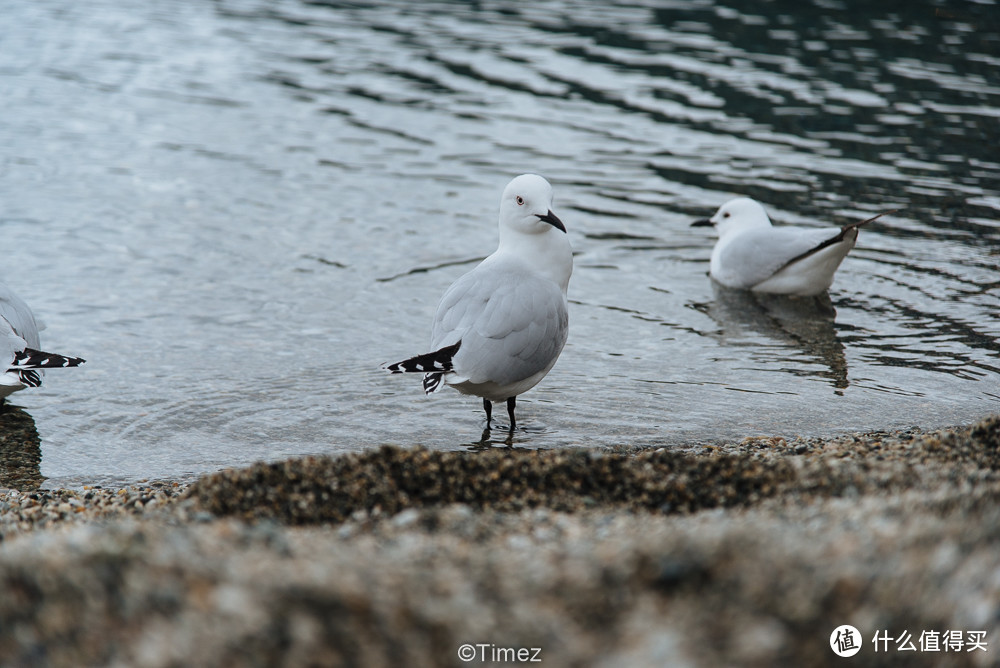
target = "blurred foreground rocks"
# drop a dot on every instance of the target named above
(750, 553)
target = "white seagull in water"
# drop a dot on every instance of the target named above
(752, 255)
(500, 328)
(19, 347)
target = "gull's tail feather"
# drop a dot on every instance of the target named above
(27, 360)
(432, 382)
(29, 378)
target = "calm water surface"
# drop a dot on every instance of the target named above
(237, 210)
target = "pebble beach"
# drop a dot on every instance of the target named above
(743, 553)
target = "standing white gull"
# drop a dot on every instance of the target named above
(752, 255)
(19, 347)
(500, 328)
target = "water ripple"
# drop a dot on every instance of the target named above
(230, 195)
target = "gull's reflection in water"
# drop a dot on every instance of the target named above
(803, 323)
(20, 450)
(502, 437)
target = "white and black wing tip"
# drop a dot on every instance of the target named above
(26, 361)
(29, 358)
(438, 361)
(433, 365)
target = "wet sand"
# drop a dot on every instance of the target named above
(747, 553)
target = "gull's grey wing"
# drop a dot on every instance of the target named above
(512, 324)
(755, 255)
(16, 312)
(455, 311)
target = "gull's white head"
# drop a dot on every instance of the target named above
(738, 215)
(526, 206)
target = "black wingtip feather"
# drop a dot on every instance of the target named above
(439, 361)
(851, 226)
(29, 358)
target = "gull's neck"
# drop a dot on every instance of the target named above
(547, 253)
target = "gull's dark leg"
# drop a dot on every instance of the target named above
(511, 402)
(488, 407)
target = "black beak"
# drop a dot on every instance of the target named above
(552, 220)
(704, 222)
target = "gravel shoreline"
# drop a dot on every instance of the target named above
(749, 553)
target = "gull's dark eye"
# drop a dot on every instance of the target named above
(519, 200)
(725, 215)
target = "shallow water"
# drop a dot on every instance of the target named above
(237, 210)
